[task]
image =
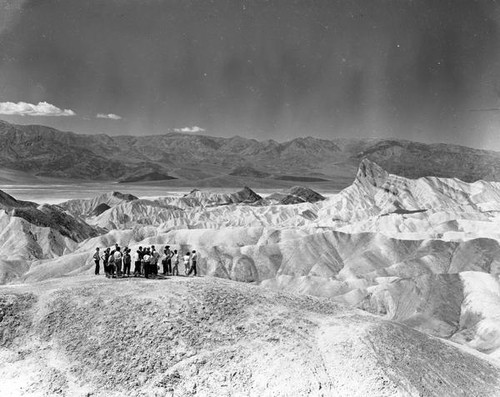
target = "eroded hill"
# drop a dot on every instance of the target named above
(84, 336)
(422, 252)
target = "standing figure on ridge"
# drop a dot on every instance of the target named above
(105, 258)
(145, 263)
(111, 265)
(193, 264)
(97, 260)
(155, 257)
(137, 262)
(127, 260)
(167, 261)
(186, 260)
(118, 261)
(175, 264)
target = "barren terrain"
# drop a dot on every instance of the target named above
(394, 279)
(178, 337)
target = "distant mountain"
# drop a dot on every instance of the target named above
(296, 195)
(147, 177)
(98, 204)
(197, 160)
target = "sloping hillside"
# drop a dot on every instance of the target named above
(86, 336)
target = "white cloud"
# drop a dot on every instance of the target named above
(28, 109)
(109, 116)
(189, 129)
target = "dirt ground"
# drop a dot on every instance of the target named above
(92, 336)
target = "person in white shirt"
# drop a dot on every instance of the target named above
(155, 257)
(186, 259)
(118, 262)
(146, 263)
(175, 264)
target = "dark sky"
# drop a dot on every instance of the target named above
(425, 70)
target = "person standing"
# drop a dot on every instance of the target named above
(145, 263)
(126, 262)
(167, 264)
(111, 265)
(105, 258)
(97, 260)
(155, 257)
(118, 261)
(137, 262)
(186, 259)
(193, 263)
(175, 264)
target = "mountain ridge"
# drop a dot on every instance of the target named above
(194, 160)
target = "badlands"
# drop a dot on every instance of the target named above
(388, 288)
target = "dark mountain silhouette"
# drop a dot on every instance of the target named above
(195, 160)
(51, 216)
(149, 176)
(296, 195)
(8, 202)
(103, 207)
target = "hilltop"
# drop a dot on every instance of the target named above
(85, 336)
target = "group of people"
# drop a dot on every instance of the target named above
(117, 262)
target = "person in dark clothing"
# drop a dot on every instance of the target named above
(127, 260)
(193, 263)
(111, 265)
(118, 261)
(97, 260)
(155, 257)
(105, 258)
(167, 261)
(138, 259)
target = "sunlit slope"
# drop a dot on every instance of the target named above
(85, 336)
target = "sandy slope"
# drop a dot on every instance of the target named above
(84, 336)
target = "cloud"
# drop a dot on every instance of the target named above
(189, 129)
(110, 116)
(28, 109)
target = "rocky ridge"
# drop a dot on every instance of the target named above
(196, 160)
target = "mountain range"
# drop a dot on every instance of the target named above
(198, 160)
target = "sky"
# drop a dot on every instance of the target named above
(422, 70)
